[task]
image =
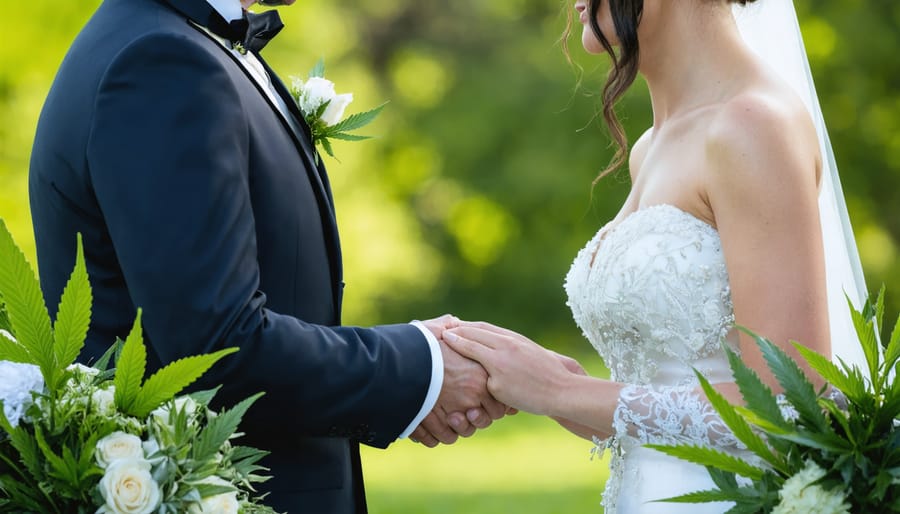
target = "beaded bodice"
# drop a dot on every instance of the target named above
(651, 294)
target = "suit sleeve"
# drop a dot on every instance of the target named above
(167, 158)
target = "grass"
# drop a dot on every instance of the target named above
(524, 464)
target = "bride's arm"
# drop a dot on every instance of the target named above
(526, 376)
(762, 189)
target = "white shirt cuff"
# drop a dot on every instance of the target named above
(437, 379)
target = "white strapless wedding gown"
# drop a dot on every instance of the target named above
(651, 294)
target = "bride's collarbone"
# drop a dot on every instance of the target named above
(677, 184)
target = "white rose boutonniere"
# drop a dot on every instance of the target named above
(323, 109)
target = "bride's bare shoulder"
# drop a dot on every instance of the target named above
(765, 133)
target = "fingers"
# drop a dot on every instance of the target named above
(493, 408)
(479, 418)
(420, 435)
(460, 424)
(487, 327)
(467, 347)
(438, 325)
(439, 429)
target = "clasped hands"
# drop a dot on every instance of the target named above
(490, 372)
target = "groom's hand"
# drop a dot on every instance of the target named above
(464, 404)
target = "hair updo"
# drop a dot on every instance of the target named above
(626, 16)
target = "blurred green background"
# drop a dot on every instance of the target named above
(476, 194)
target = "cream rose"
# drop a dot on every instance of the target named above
(118, 446)
(128, 488)
(335, 110)
(104, 401)
(163, 414)
(800, 495)
(225, 503)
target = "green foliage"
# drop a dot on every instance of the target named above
(130, 367)
(4, 317)
(27, 312)
(137, 400)
(220, 429)
(857, 444)
(707, 456)
(74, 314)
(318, 70)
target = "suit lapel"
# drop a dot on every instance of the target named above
(316, 167)
(202, 14)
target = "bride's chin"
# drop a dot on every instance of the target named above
(590, 43)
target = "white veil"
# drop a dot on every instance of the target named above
(771, 28)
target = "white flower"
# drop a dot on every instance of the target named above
(128, 488)
(800, 496)
(104, 401)
(335, 110)
(84, 370)
(225, 503)
(17, 381)
(118, 446)
(313, 93)
(162, 414)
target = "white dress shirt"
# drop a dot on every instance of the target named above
(232, 10)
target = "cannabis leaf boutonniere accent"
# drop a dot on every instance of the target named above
(323, 109)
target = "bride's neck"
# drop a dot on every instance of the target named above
(692, 57)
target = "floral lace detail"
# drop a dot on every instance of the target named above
(657, 289)
(671, 415)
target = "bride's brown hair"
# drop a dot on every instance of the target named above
(626, 16)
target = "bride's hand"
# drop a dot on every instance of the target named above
(522, 374)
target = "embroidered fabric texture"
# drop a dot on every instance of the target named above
(651, 294)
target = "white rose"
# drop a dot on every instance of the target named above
(118, 446)
(799, 495)
(315, 92)
(163, 414)
(335, 110)
(128, 488)
(85, 370)
(104, 401)
(225, 503)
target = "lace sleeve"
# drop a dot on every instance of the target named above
(670, 415)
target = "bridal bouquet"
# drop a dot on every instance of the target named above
(815, 452)
(323, 109)
(78, 439)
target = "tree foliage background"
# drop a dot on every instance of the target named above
(476, 194)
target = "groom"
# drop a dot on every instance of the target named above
(181, 159)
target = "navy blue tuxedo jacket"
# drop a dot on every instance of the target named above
(198, 204)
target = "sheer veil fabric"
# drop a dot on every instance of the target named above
(772, 29)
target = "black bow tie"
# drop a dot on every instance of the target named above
(250, 33)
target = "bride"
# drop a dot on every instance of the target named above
(721, 227)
